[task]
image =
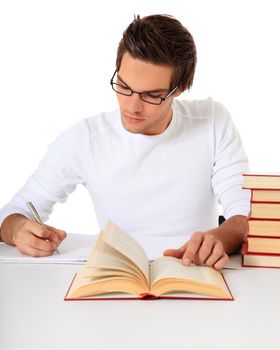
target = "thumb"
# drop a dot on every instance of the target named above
(176, 253)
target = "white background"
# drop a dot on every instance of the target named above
(57, 57)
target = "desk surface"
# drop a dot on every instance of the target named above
(33, 314)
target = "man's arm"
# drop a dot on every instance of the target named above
(63, 167)
(30, 237)
(212, 248)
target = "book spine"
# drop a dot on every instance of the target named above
(148, 296)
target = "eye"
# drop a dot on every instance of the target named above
(123, 87)
(152, 95)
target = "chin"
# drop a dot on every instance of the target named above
(131, 128)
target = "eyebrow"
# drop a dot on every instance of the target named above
(147, 91)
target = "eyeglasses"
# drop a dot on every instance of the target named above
(148, 97)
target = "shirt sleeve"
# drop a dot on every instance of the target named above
(230, 162)
(63, 167)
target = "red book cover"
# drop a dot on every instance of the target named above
(262, 219)
(262, 236)
(262, 174)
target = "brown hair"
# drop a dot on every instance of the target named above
(161, 39)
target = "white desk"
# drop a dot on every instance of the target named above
(33, 315)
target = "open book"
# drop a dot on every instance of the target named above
(118, 268)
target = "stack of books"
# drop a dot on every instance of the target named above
(262, 248)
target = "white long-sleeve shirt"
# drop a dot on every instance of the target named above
(168, 184)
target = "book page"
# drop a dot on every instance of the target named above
(169, 267)
(112, 264)
(101, 260)
(126, 245)
(93, 272)
(85, 287)
(105, 248)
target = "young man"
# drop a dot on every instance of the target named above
(156, 166)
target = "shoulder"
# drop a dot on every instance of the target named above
(207, 109)
(74, 136)
(79, 134)
(105, 122)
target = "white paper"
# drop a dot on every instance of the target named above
(73, 250)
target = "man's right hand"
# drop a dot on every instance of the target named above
(30, 237)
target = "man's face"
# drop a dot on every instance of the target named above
(139, 116)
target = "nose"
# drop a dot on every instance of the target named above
(134, 103)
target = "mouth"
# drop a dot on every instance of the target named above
(133, 119)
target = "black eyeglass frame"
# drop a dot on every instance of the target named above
(162, 99)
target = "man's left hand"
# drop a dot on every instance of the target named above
(202, 249)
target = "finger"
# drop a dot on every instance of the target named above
(60, 233)
(176, 253)
(42, 231)
(205, 249)
(192, 247)
(31, 245)
(221, 262)
(216, 253)
(38, 243)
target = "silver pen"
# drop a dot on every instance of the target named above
(36, 216)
